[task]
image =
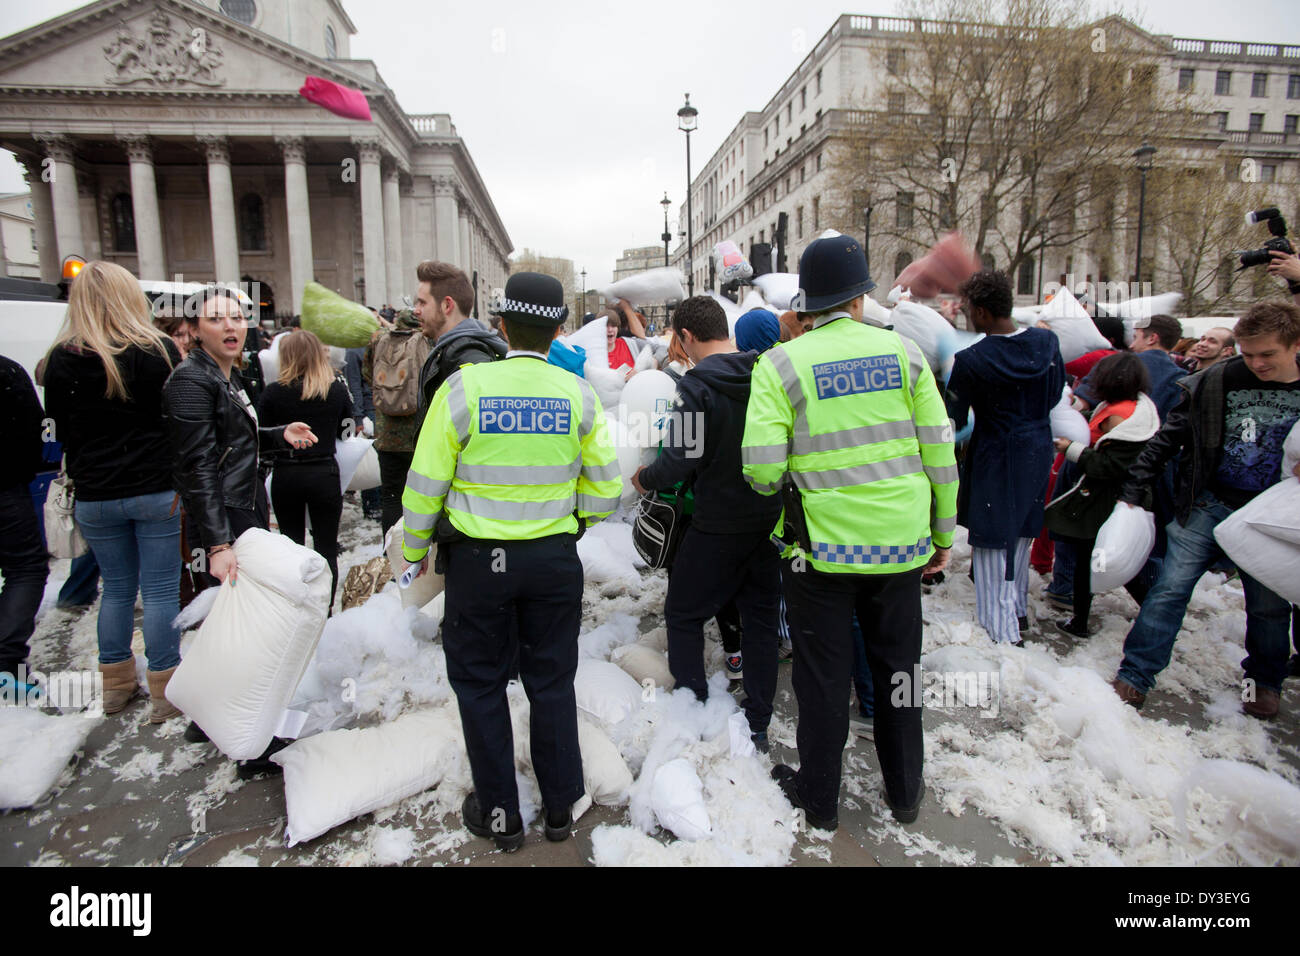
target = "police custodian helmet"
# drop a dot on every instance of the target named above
(832, 271)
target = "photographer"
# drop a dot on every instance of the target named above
(1286, 265)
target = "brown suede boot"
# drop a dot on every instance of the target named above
(120, 685)
(160, 707)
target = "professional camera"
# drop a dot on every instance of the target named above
(1279, 242)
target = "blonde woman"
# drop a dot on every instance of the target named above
(103, 387)
(306, 481)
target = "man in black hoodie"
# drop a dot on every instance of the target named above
(727, 551)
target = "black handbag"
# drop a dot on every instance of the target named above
(658, 527)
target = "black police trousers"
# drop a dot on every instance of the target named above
(821, 607)
(541, 582)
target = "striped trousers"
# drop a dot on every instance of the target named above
(999, 602)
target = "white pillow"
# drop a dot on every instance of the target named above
(605, 692)
(367, 474)
(244, 666)
(424, 588)
(34, 751)
(663, 284)
(1263, 538)
(1073, 326)
(339, 775)
(644, 663)
(778, 288)
(1124, 543)
(1068, 423)
(677, 798)
(604, 771)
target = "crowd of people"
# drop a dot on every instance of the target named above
(823, 501)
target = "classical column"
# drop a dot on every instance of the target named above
(372, 225)
(150, 263)
(411, 244)
(446, 220)
(466, 260)
(393, 236)
(63, 194)
(299, 215)
(47, 243)
(221, 195)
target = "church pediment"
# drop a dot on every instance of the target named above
(163, 46)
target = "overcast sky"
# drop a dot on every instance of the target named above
(569, 109)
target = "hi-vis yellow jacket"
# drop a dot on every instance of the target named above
(512, 450)
(851, 412)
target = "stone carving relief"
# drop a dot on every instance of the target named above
(164, 56)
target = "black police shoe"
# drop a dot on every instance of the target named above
(761, 743)
(194, 734)
(508, 832)
(906, 814)
(558, 824)
(263, 766)
(785, 777)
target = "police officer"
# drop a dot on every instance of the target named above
(512, 463)
(847, 424)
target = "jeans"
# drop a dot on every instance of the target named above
(82, 586)
(26, 566)
(137, 544)
(1063, 570)
(1191, 551)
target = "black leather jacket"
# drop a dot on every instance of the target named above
(214, 438)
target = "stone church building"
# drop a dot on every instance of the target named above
(169, 136)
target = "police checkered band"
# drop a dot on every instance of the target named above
(546, 311)
(869, 553)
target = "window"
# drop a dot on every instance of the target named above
(819, 81)
(1186, 80)
(988, 214)
(1223, 83)
(742, 179)
(1259, 85)
(331, 46)
(123, 223)
(33, 232)
(803, 175)
(894, 62)
(896, 102)
(901, 262)
(252, 224)
(1025, 277)
(819, 162)
(1222, 119)
(777, 124)
(760, 236)
(816, 211)
(1256, 122)
(1293, 87)
(789, 113)
(798, 222)
(903, 209)
(742, 149)
(947, 212)
(1267, 173)
(765, 139)
(803, 99)
(245, 11)
(1289, 125)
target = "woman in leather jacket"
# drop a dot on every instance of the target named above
(215, 435)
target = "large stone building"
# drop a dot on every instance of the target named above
(18, 251)
(779, 160)
(169, 136)
(637, 260)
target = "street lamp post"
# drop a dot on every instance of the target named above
(583, 273)
(667, 236)
(866, 246)
(686, 122)
(1143, 156)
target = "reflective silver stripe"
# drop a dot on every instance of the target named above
(853, 437)
(789, 377)
(764, 455)
(595, 505)
(509, 510)
(424, 485)
(915, 360)
(414, 521)
(414, 542)
(518, 474)
(944, 525)
(459, 407)
(588, 408)
(608, 472)
(763, 488)
(941, 474)
(934, 434)
(859, 474)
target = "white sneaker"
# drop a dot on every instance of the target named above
(735, 666)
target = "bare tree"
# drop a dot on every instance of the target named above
(1014, 123)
